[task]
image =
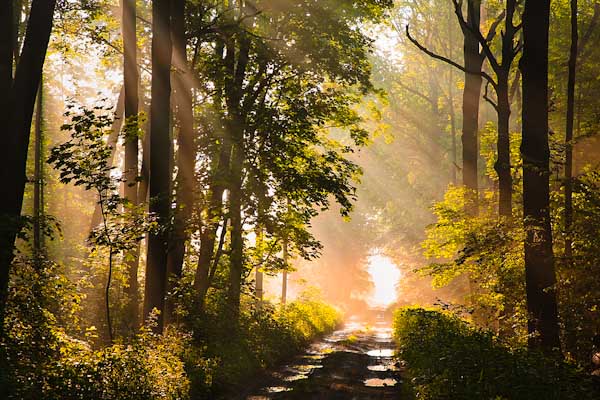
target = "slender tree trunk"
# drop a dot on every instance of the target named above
(208, 238)
(502, 165)
(453, 148)
(160, 150)
(259, 274)
(38, 184)
(237, 240)
(112, 141)
(285, 275)
(214, 214)
(16, 114)
(569, 134)
(471, 95)
(236, 129)
(540, 277)
(130, 85)
(186, 151)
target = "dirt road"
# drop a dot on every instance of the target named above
(353, 363)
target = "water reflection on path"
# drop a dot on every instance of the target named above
(356, 362)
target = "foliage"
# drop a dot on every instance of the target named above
(266, 335)
(449, 359)
(486, 251)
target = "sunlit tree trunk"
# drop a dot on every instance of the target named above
(259, 274)
(160, 150)
(38, 177)
(540, 274)
(569, 133)
(130, 84)
(16, 113)
(186, 151)
(285, 274)
(471, 95)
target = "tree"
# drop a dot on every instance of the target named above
(130, 168)
(160, 168)
(16, 113)
(186, 151)
(502, 68)
(471, 96)
(540, 276)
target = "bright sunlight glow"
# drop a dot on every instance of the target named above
(384, 275)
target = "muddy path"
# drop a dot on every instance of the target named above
(356, 362)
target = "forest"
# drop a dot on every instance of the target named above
(299, 199)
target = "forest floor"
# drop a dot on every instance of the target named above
(356, 362)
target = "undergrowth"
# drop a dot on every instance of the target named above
(447, 358)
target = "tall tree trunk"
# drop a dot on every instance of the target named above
(502, 164)
(38, 183)
(540, 276)
(16, 114)
(236, 128)
(214, 210)
(259, 274)
(569, 134)
(186, 152)
(237, 239)
(208, 236)
(130, 84)
(160, 150)
(471, 94)
(285, 274)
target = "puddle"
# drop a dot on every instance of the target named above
(278, 389)
(304, 368)
(382, 368)
(295, 378)
(381, 353)
(376, 382)
(314, 357)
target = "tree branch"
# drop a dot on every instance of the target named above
(430, 53)
(488, 99)
(476, 32)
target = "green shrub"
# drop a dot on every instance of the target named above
(266, 336)
(449, 359)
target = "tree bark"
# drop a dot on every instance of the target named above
(285, 275)
(471, 95)
(540, 276)
(160, 150)
(236, 129)
(130, 84)
(38, 184)
(573, 52)
(16, 115)
(186, 152)
(502, 164)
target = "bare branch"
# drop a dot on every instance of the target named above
(588, 33)
(415, 92)
(476, 32)
(487, 98)
(430, 53)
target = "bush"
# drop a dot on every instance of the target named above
(449, 359)
(266, 336)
